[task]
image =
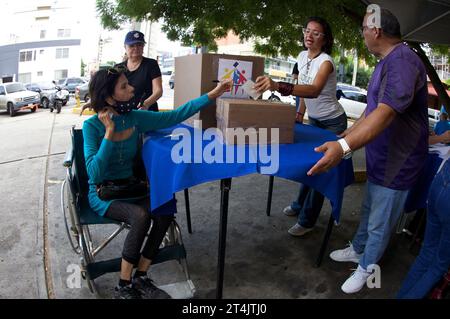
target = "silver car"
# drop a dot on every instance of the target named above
(82, 91)
(47, 93)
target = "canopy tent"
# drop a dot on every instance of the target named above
(421, 20)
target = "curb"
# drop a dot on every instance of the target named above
(77, 110)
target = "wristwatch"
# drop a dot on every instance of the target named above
(345, 148)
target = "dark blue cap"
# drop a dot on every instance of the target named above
(134, 37)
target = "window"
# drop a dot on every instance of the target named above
(24, 78)
(40, 73)
(62, 53)
(63, 33)
(60, 74)
(2, 90)
(362, 98)
(75, 81)
(43, 32)
(26, 56)
(355, 96)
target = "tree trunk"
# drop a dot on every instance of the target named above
(434, 78)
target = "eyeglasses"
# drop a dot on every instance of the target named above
(364, 27)
(315, 34)
(120, 68)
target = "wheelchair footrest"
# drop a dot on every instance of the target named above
(99, 268)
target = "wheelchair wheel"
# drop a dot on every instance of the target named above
(68, 208)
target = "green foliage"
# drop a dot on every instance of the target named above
(275, 25)
(440, 49)
(362, 79)
(82, 66)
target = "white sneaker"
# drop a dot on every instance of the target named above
(288, 211)
(345, 255)
(356, 281)
(298, 230)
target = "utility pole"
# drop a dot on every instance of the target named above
(355, 67)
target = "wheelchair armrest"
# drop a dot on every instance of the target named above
(68, 158)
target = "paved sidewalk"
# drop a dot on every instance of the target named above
(262, 259)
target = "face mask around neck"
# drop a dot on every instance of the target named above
(125, 107)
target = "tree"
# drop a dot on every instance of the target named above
(274, 24)
(82, 66)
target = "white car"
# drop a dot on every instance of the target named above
(433, 117)
(277, 97)
(15, 97)
(353, 102)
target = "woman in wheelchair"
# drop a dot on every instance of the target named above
(110, 146)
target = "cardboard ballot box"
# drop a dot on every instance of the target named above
(194, 76)
(245, 121)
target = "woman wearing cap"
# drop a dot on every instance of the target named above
(317, 91)
(143, 73)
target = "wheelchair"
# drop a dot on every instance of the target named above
(79, 217)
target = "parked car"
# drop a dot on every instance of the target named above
(82, 91)
(349, 87)
(71, 83)
(353, 102)
(433, 117)
(47, 91)
(274, 97)
(15, 97)
(172, 80)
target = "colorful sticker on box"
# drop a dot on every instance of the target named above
(237, 70)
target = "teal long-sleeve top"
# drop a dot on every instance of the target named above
(108, 160)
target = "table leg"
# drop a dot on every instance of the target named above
(269, 195)
(188, 210)
(225, 186)
(326, 238)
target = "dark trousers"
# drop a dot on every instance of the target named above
(137, 216)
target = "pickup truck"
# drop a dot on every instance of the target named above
(15, 97)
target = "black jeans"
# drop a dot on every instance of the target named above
(139, 219)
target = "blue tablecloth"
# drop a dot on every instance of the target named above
(167, 177)
(418, 195)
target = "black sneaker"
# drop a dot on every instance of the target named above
(148, 290)
(126, 292)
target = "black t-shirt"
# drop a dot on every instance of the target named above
(295, 70)
(141, 80)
